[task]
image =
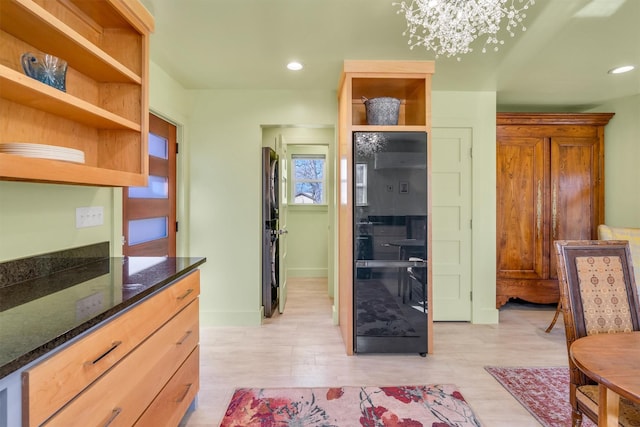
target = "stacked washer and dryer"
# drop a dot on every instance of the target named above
(270, 194)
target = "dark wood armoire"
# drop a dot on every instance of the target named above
(550, 186)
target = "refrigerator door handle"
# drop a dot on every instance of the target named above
(364, 263)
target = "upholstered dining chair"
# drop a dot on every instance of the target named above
(597, 293)
(606, 232)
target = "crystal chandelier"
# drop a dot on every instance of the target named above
(448, 27)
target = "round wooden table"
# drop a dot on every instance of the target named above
(613, 361)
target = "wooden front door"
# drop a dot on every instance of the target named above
(149, 213)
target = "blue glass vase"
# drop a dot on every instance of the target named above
(45, 68)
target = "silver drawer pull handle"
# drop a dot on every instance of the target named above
(186, 294)
(113, 416)
(186, 392)
(103, 355)
(184, 338)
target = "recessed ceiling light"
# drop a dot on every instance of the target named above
(620, 70)
(294, 66)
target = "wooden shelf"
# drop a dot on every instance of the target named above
(409, 88)
(31, 23)
(16, 168)
(24, 90)
(398, 87)
(398, 128)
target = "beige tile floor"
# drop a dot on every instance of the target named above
(303, 348)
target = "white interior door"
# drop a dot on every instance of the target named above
(451, 223)
(281, 150)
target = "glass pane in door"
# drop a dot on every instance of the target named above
(157, 188)
(158, 146)
(148, 229)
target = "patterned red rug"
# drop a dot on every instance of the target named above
(404, 406)
(544, 392)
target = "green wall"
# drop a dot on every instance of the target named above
(225, 190)
(308, 241)
(39, 218)
(622, 157)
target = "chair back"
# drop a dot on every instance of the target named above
(597, 291)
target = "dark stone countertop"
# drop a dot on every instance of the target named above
(42, 314)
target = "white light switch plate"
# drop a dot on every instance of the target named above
(89, 216)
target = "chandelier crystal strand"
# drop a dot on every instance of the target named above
(448, 27)
(368, 143)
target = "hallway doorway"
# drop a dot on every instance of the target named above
(310, 223)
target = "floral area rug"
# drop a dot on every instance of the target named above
(404, 406)
(544, 392)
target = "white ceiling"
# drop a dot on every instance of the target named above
(559, 62)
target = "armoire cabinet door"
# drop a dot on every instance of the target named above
(575, 185)
(521, 198)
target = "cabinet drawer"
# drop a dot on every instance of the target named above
(172, 403)
(51, 384)
(120, 396)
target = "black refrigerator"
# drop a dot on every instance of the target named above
(390, 242)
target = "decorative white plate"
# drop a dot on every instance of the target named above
(42, 151)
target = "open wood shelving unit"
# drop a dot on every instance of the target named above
(104, 111)
(409, 81)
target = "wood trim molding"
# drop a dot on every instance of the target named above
(596, 119)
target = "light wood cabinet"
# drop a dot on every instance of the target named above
(410, 82)
(119, 371)
(174, 399)
(104, 111)
(550, 186)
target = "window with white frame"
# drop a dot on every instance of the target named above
(361, 184)
(308, 183)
